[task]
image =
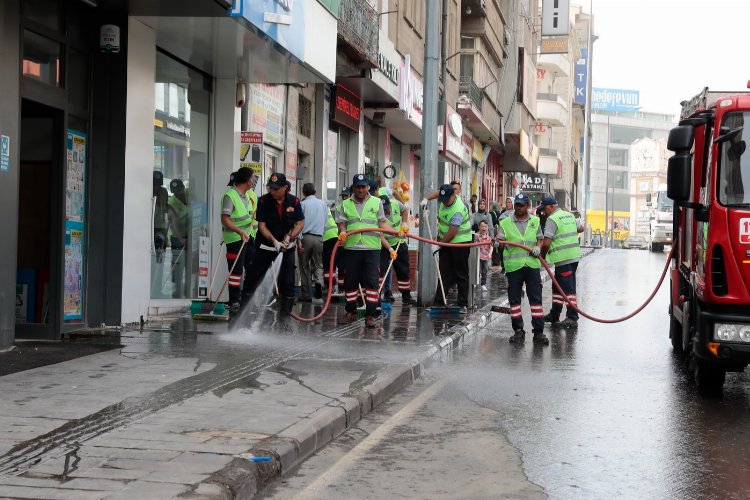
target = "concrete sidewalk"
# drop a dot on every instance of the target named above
(179, 409)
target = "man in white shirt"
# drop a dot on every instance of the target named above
(310, 244)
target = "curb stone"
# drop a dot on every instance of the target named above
(242, 479)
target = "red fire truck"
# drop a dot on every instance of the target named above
(709, 180)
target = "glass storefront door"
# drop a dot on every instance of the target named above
(180, 177)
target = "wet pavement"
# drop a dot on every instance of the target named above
(182, 391)
(604, 411)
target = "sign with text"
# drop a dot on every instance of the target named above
(555, 45)
(555, 17)
(615, 99)
(346, 108)
(581, 77)
(250, 152)
(531, 183)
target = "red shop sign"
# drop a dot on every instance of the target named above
(346, 108)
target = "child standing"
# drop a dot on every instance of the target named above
(485, 252)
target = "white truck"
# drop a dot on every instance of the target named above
(661, 221)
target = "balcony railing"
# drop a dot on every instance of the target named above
(468, 87)
(358, 28)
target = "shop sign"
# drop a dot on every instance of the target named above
(346, 108)
(476, 150)
(250, 151)
(531, 183)
(4, 153)
(555, 17)
(468, 146)
(389, 70)
(268, 112)
(528, 150)
(453, 146)
(557, 45)
(412, 93)
(292, 123)
(203, 249)
(282, 21)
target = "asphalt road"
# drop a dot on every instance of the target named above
(607, 411)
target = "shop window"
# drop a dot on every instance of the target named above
(305, 117)
(180, 188)
(42, 59)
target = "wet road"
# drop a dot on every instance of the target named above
(607, 411)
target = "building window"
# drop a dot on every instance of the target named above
(305, 117)
(180, 188)
(619, 157)
(42, 59)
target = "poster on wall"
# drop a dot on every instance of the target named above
(249, 153)
(268, 112)
(203, 270)
(291, 138)
(76, 173)
(73, 280)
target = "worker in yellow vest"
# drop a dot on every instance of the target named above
(454, 226)
(362, 211)
(238, 207)
(330, 236)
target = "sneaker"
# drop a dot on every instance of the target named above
(548, 318)
(568, 323)
(540, 338)
(518, 337)
(370, 321)
(484, 288)
(388, 297)
(350, 317)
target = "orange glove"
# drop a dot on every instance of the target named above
(394, 254)
(403, 231)
(343, 237)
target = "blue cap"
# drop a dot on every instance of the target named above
(446, 191)
(521, 199)
(345, 191)
(360, 180)
(547, 201)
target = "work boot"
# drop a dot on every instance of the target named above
(407, 299)
(519, 337)
(350, 317)
(568, 323)
(370, 322)
(318, 294)
(234, 309)
(285, 305)
(549, 318)
(540, 338)
(388, 296)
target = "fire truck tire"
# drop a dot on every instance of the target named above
(708, 378)
(675, 333)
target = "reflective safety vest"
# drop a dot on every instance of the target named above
(253, 199)
(515, 258)
(368, 219)
(181, 210)
(565, 244)
(395, 222)
(444, 218)
(241, 216)
(332, 230)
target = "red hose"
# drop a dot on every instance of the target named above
(476, 244)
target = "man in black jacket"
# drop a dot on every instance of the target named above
(280, 221)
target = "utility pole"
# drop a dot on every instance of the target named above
(428, 167)
(587, 120)
(606, 195)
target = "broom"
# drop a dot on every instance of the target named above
(385, 305)
(214, 315)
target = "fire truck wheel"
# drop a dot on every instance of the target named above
(708, 378)
(675, 334)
